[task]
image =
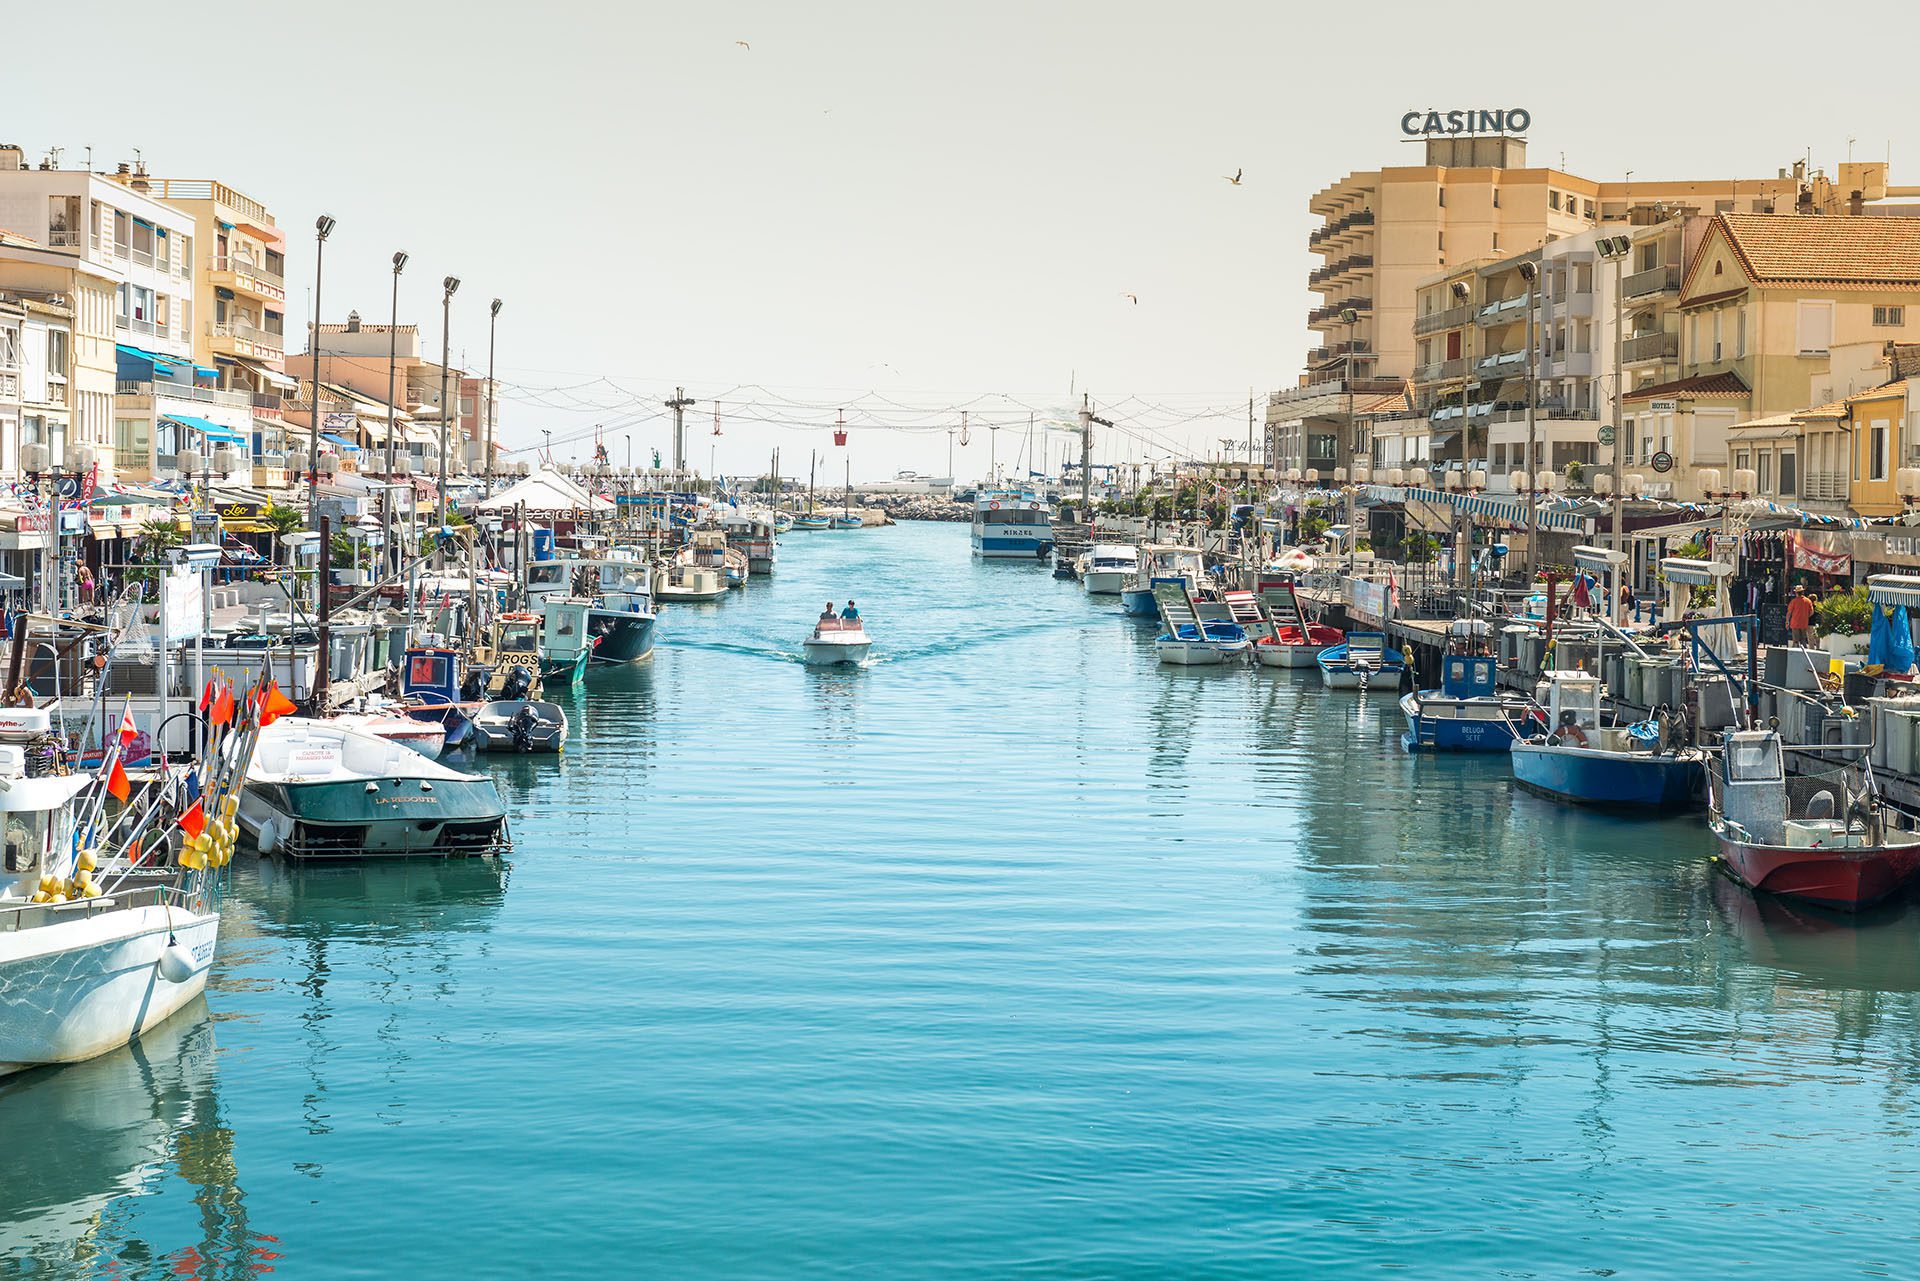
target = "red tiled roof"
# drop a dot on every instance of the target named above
(1700, 386)
(1831, 249)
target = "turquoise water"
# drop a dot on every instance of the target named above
(1014, 955)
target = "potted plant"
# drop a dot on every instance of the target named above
(1841, 620)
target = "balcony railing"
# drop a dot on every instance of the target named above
(1657, 280)
(1358, 218)
(1335, 351)
(1651, 347)
(1332, 310)
(1442, 370)
(61, 238)
(1451, 318)
(185, 391)
(56, 393)
(136, 324)
(1500, 310)
(1824, 486)
(268, 402)
(243, 332)
(241, 265)
(1353, 262)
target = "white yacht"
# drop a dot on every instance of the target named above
(838, 641)
(1012, 524)
(1107, 568)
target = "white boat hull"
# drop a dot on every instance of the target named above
(79, 988)
(1106, 582)
(1375, 683)
(829, 653)
(1288, 655)
(1184, 653)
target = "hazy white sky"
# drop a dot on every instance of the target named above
(934, 202)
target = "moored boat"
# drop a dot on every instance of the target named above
(520, 725)
(1186, 640)
(1011, 524)
(1160, 563)
(1107, 568)
(1582, 762)
(1290, 638)
(1810, 835)
(683, 584)
(1364, 661)
(1468, 712)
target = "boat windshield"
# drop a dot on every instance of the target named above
(519, 638)
(26, 838)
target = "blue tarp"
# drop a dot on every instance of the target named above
(1890, 640)
(212, 431)
(341, 441)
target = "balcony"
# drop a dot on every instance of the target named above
(1502, 361)
(1358, 218)
(1320, 315)
(270, 403)
(146, 328)
(1334, 387)
(1442, 371)
(61, 238)
(238, 272)
(1503, 311)
(184, 391)
(1334, 352)
(1824, 487)
(238, 338)
(1658, 280)
(1641, 347)
(1451, 318)
(1354, 262)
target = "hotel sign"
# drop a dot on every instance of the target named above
(1456, 124)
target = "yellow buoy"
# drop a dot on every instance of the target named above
(87, 861)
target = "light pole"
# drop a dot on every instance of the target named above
(493, 318)
(393, 360)
(322, 228)
(449, 286)
(1530, 272)
(1617, 248)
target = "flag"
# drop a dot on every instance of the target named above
(128, 730)
(223, 705)
(192, 784)
(117, 782)
(194, 821)
(206, 695)
(276, 705)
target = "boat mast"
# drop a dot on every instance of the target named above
(813, 460)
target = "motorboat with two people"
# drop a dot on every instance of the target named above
(1289, 638)
(1469, 712)
(1186, 640)
(1646, 766)
(1364, 661)
(1107, 568)
(1821, 834)
(318, 789)
(838, 639)
(1157, 563)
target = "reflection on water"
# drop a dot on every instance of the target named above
(126, 1166)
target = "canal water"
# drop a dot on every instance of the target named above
(1012, 955)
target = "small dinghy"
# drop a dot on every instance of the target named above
(838, 641)
(520, 725)
(1364, 662)
(1190, 642)
(1290, 639)
(429, 738)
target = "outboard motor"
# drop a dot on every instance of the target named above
(474, 687)
(521, 727)
(518, 685)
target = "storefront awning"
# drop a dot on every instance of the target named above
(341, 441)
(274, 377)
(212, 431)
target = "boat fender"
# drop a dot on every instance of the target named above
(176, 962)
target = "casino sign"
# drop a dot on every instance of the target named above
(1507, 122)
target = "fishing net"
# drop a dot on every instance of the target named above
(127, 632)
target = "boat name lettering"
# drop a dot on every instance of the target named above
(1443, 124)
(406, 800)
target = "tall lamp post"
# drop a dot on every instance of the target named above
(493, 318)
(387, 541)
(449, 287)
(1616, 248)
(322, 228)
(1530, 272)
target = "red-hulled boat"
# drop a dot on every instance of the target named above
(1808, 836)
(1287, 638)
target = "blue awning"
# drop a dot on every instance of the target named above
(212, 431)
(341, 441)
(204, 372)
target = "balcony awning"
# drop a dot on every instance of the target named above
(273, 376)
(1894, 589)
(341, 441)
(203, 372)
(212, 431)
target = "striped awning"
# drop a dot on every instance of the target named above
(1491, 506)
(1693, 573)
(1894, 589)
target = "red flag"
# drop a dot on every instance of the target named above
(223, 705)
(206, 695)
(194, 821)
(117, 782)
(128, 730)
(133, 855)
(276, 706)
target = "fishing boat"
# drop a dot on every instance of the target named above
(846, 520)
(1290, 639)
(566, 640)
(1810, 835)
(1469, 712)
(807, 522)
(753, 533)
(683, 584)
(432, 678)
(837, 641)
(782, 522)
(520, 725)
(1364, 661)
(1107, 568)
(709, 549)
(620, 619)
(1580, 761)
(322, 790)
(1188, 641)
(847, 517)
(1161, 563)
(1011, 524)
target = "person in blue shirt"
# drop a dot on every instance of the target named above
(849, 613)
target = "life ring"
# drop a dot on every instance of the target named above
(993, 507)
(1571, 736)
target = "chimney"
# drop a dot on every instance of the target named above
(11, 157)
(123, 168)
(1856, 204)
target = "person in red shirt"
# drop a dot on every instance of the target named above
(1800, 617)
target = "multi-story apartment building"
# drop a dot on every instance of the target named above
(1383, 232)
(13, 319)
(1776, 319)
(119, 260)
(240, 297)
(355, 356)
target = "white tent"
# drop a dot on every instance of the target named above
(546, 491)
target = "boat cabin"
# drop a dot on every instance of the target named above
(430, 675)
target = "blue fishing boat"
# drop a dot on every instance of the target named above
(1468, 713)
(1365, 662)
(1011, 524)
(1188, 641)
(430, 685)
(1582, 762)
(1159, 563)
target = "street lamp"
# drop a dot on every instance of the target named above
(393, 360)
(493, 317)
(322, 228)
(1530, 272)
(450, 286)
(1616, 249)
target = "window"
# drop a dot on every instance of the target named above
(1890, 316)
(1440, 241)
(132, 441)
(1586, 209)
(1443, 197)
(1717, 315)
(57, 354)
(1813, 328)
(1629, 432)
(1723, 206)
(1496, 240)
(1742, 460)
(1763, 472)
(1739, 333)
(1787, 485)
(1878, 439)
(1719, 268)
(1553, 199)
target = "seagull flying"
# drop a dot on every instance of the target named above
(1235, 180)
(744, 45)
(1132, 298)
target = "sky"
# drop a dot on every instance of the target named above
(897, 210)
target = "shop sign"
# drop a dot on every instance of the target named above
(1663, 406)
(1815, 552)
(1507, 121)
(1902, 550)
(1606, 435)
(240, 511)
(1662, 462)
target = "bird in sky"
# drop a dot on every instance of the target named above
(1235, 180)
(1132, 298)
(744, 45)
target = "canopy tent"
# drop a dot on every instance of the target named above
(546, 491)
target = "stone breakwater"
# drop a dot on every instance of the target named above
(916, 507)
